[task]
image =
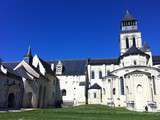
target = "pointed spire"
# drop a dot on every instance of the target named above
(145, 47)
(29, 52)
(127, 12)
(128, 16)
(28, 56)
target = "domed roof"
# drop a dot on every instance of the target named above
(134, 51)
(128, 17)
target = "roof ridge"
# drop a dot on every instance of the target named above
(11, 61)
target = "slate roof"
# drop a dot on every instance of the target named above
(11, 72)
(77, 67)
(109, 74)
(46, 65)
(11, 64)
(72, 67)
(103, 61)
(134, 51)
(138, 71)
(22, 72)
(95, 86)
(128, 17)
(156, 60)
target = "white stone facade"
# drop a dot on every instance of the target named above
(133, 82)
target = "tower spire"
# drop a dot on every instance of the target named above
(129, 36)
(29, 52)
(127, 12)
(28, 56)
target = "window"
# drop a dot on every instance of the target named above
(154, 85)
(129, 23)
(64, 92)
(127, 43)
(127, 90)
(92, 75)
(122, 85)
(95, 95)
(100, 74)
(134, 41)
(104, 91)
(114, 91)
(139, 89)
(135, 63)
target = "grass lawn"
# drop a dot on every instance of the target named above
(89, 112)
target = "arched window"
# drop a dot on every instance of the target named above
(100, 74)
(95, 95)
(92, 75)
(122, 85)
(127, 42)
(139, 89)
(154, 85)
(134, 41)
(135, 63)
(64, 92)
(114, 91)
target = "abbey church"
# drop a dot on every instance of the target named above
(131, 80)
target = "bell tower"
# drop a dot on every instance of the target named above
(129, 35)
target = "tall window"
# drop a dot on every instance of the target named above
(154, 85)
(100, 74)
(64, 92)
(95, 95)
(122, 85)
(114, 91)
(134, 41)
(104, 91)
(92, 75)
(127, 43)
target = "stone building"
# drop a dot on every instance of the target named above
(30, 83)
(11, 88)
(131, 80)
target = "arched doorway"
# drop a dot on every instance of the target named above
(11, 100)
(44, 97)
(40, 97)
(139, 97)
(29, 97)
(63, 92)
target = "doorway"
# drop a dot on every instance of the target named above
(11, 100)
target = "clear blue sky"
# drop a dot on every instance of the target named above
(67, 29)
